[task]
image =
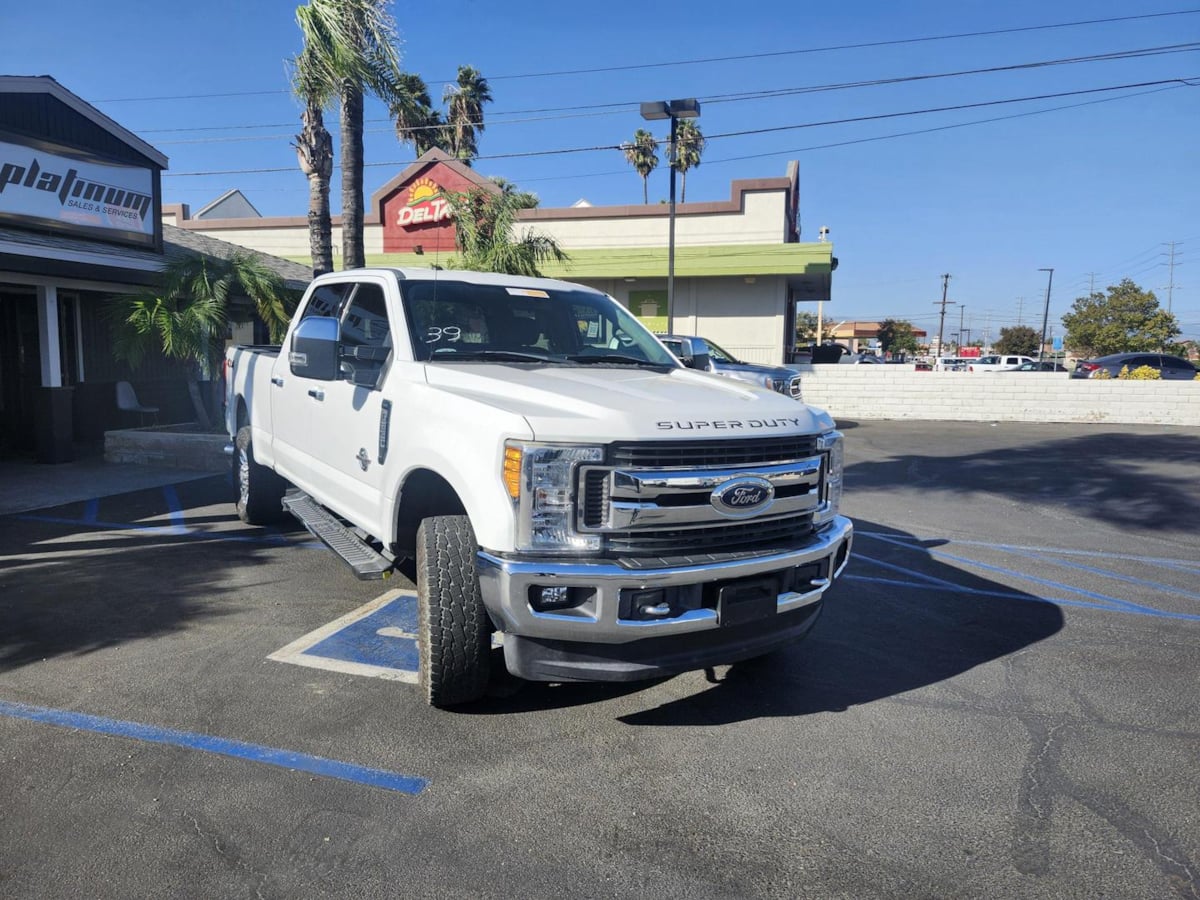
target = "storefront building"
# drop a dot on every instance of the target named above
(80, 222)
(740, 268)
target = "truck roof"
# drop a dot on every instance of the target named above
(432, 274)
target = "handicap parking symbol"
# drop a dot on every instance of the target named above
(378, 640)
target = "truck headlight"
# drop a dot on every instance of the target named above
(830, 443)
(540, 480)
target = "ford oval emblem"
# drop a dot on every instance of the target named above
(743, 497)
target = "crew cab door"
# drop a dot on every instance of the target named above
(293, 396)
(352, 426)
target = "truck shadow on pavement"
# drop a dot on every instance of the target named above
(895, 622)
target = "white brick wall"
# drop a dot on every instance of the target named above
(901, 392)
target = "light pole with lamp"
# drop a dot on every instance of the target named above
(1045, 314)
(673, 110)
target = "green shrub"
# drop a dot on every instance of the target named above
(1103, 373)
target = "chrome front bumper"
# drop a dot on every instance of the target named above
(506, 584)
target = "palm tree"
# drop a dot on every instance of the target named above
(187, 318)
(464, 112)
(314, 151)
(352, 44)
(642, 154)
(484, 225)
(689, 147)
(417, 122)
(522, 199)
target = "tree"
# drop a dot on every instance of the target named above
(522, 199)
(806, 328)
(689, 147)
(314, 152)
(1125, 319)
(1019, 340)
(187, 318)
(484, 226)
(896, 336)
(642, 154)
(464, 112)
(351, 43)
(411, 109)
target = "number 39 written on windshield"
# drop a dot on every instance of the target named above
(449, 333)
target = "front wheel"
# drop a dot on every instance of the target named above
(453, 629)
(259, 490)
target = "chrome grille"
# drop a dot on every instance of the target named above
(763, 536)
(656, 499)
(701, 454)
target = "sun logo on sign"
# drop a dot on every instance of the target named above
(422, 189)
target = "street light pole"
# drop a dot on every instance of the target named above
(1045, 314)
(672, 155)
(674, 110)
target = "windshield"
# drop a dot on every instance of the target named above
(456, 321)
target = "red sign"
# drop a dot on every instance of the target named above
(415, 212)
(425, 206)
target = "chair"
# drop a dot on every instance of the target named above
(127, 401)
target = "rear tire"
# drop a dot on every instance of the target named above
(259, 490)
(453, 629)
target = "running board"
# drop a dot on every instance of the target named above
(367, 563)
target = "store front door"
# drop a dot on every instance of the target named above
(20, 370)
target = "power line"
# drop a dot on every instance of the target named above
(593, 110)
(865, 45)
(871, 118)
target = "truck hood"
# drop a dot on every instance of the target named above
(598, 404)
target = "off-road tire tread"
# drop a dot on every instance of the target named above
(453, 629)
(264, 503)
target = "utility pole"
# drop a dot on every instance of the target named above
(1045, 314)
(1091, 282)
(1171, 283)
(960, 328)
(945, 302)
(1020, 308)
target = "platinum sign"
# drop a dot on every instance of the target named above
(35, 184)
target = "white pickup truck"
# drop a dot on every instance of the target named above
(999, 363)
(554, 473)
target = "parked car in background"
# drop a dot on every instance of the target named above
(1172, 368)
(1046, 365)
(952, 364)
(997, 363)
(773, 378)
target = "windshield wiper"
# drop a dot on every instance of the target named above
(447, 353)
(617, 359)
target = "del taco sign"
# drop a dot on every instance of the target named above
(425, 205)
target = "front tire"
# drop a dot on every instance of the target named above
(259, 490)
(453, 629)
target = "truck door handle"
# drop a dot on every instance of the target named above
(316, 393)
(277, 381)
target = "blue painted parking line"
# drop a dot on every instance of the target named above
(187, 531)
(377, 640)
(1090, 599)
(173, 505)
(287, 759)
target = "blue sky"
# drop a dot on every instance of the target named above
(1096, 191)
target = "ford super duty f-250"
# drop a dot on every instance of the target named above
(552, 471)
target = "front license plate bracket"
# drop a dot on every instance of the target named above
(746, 600)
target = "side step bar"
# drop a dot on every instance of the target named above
(367, 563)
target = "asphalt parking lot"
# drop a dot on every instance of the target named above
(1000, 700)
